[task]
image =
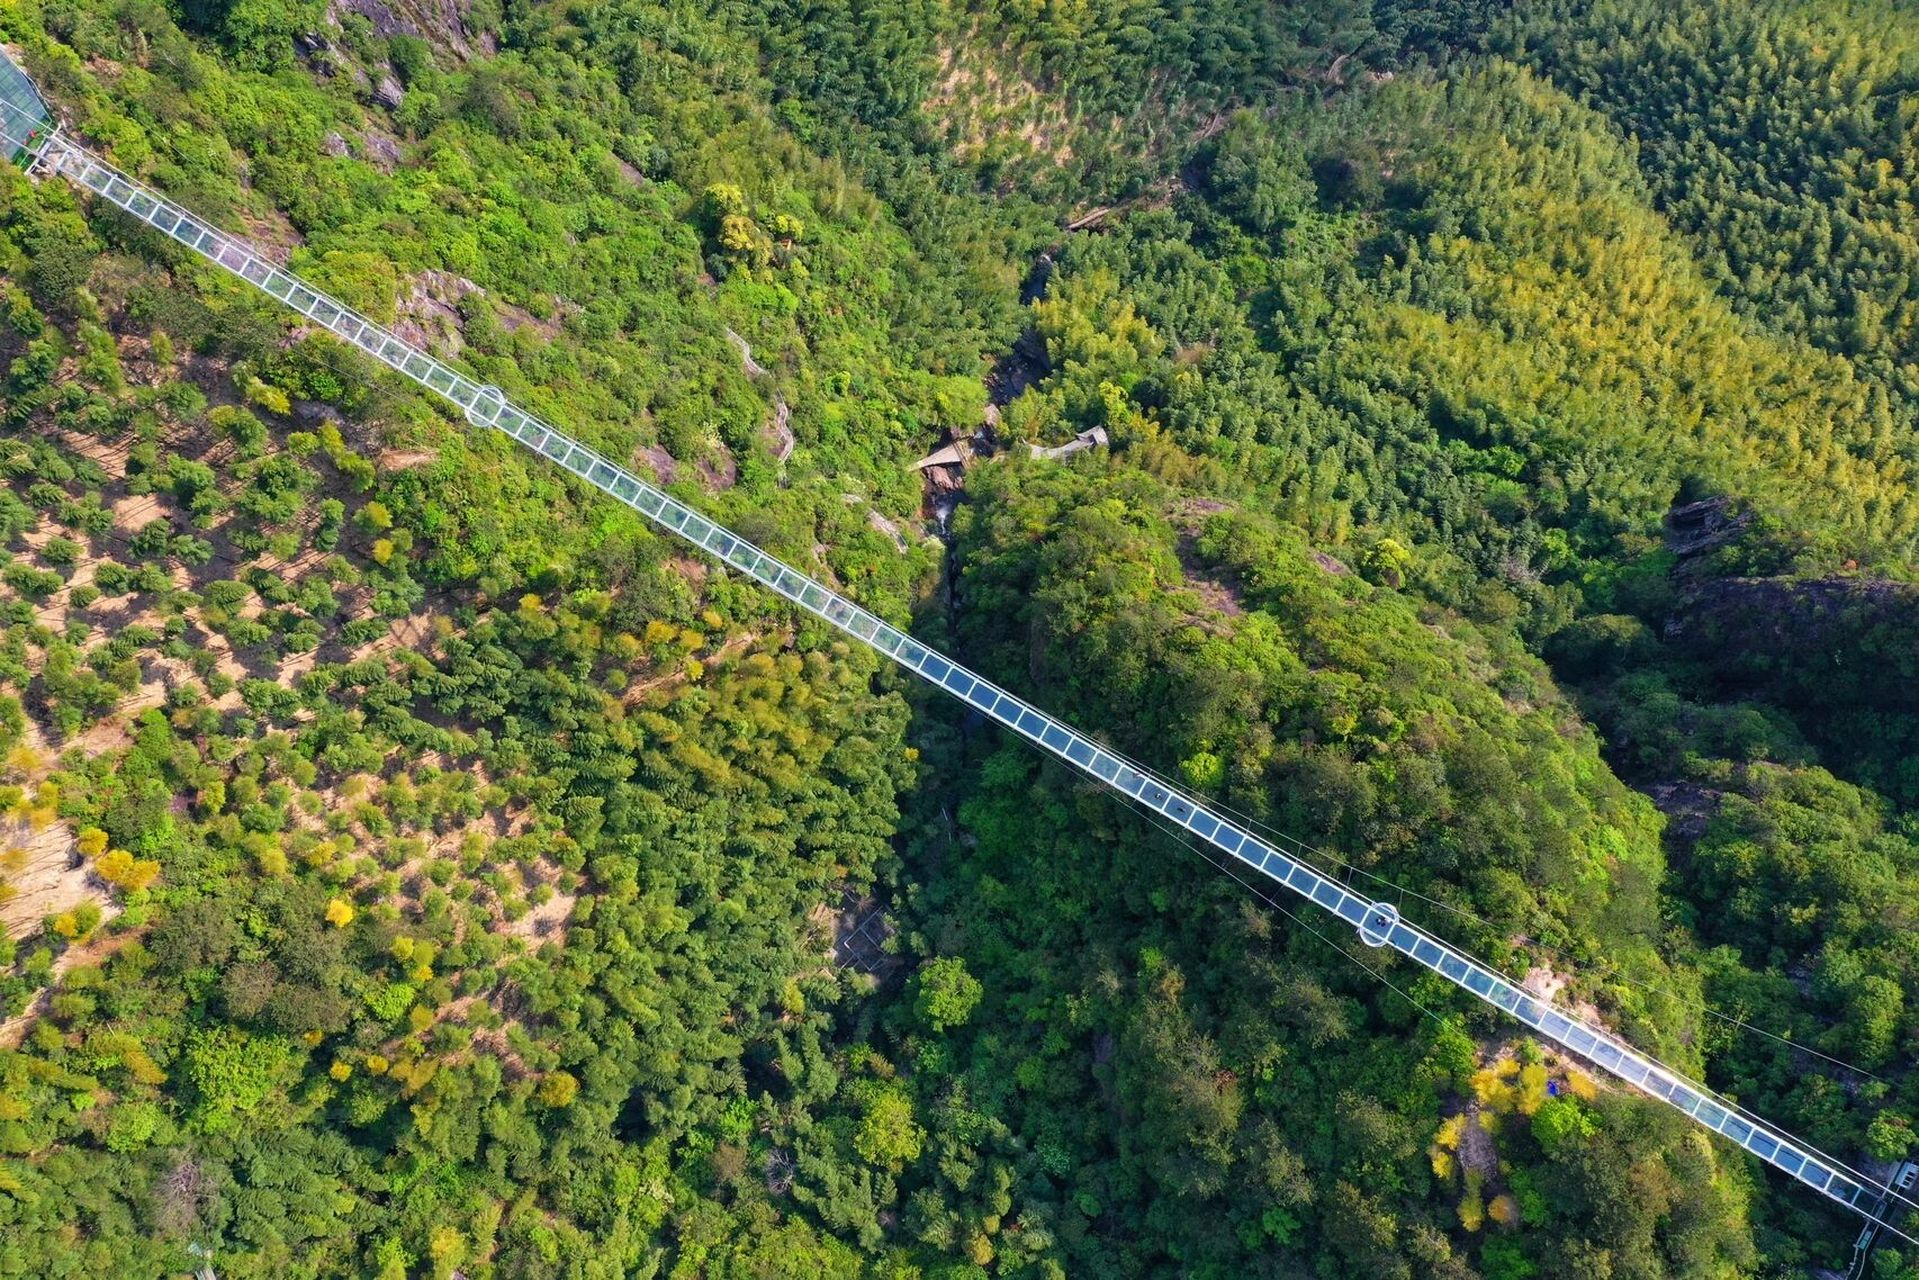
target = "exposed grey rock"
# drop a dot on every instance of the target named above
(440, 22)
(1700, 526)
(313, 412)
(1688, 806)
(382, 152)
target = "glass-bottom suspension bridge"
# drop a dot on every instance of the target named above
(27, 132)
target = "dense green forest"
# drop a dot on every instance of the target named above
(415, 866)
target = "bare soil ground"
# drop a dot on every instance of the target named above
(50, 876)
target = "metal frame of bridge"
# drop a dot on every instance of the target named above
(53, 153)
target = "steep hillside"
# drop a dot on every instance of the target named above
(445, 875)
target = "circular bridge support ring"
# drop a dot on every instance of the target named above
(486, 407)
(1378, 925)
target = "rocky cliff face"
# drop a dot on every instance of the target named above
(1822, 641)
(441, 22)
(1825, 638)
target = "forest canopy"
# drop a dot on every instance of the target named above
(416, 865)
